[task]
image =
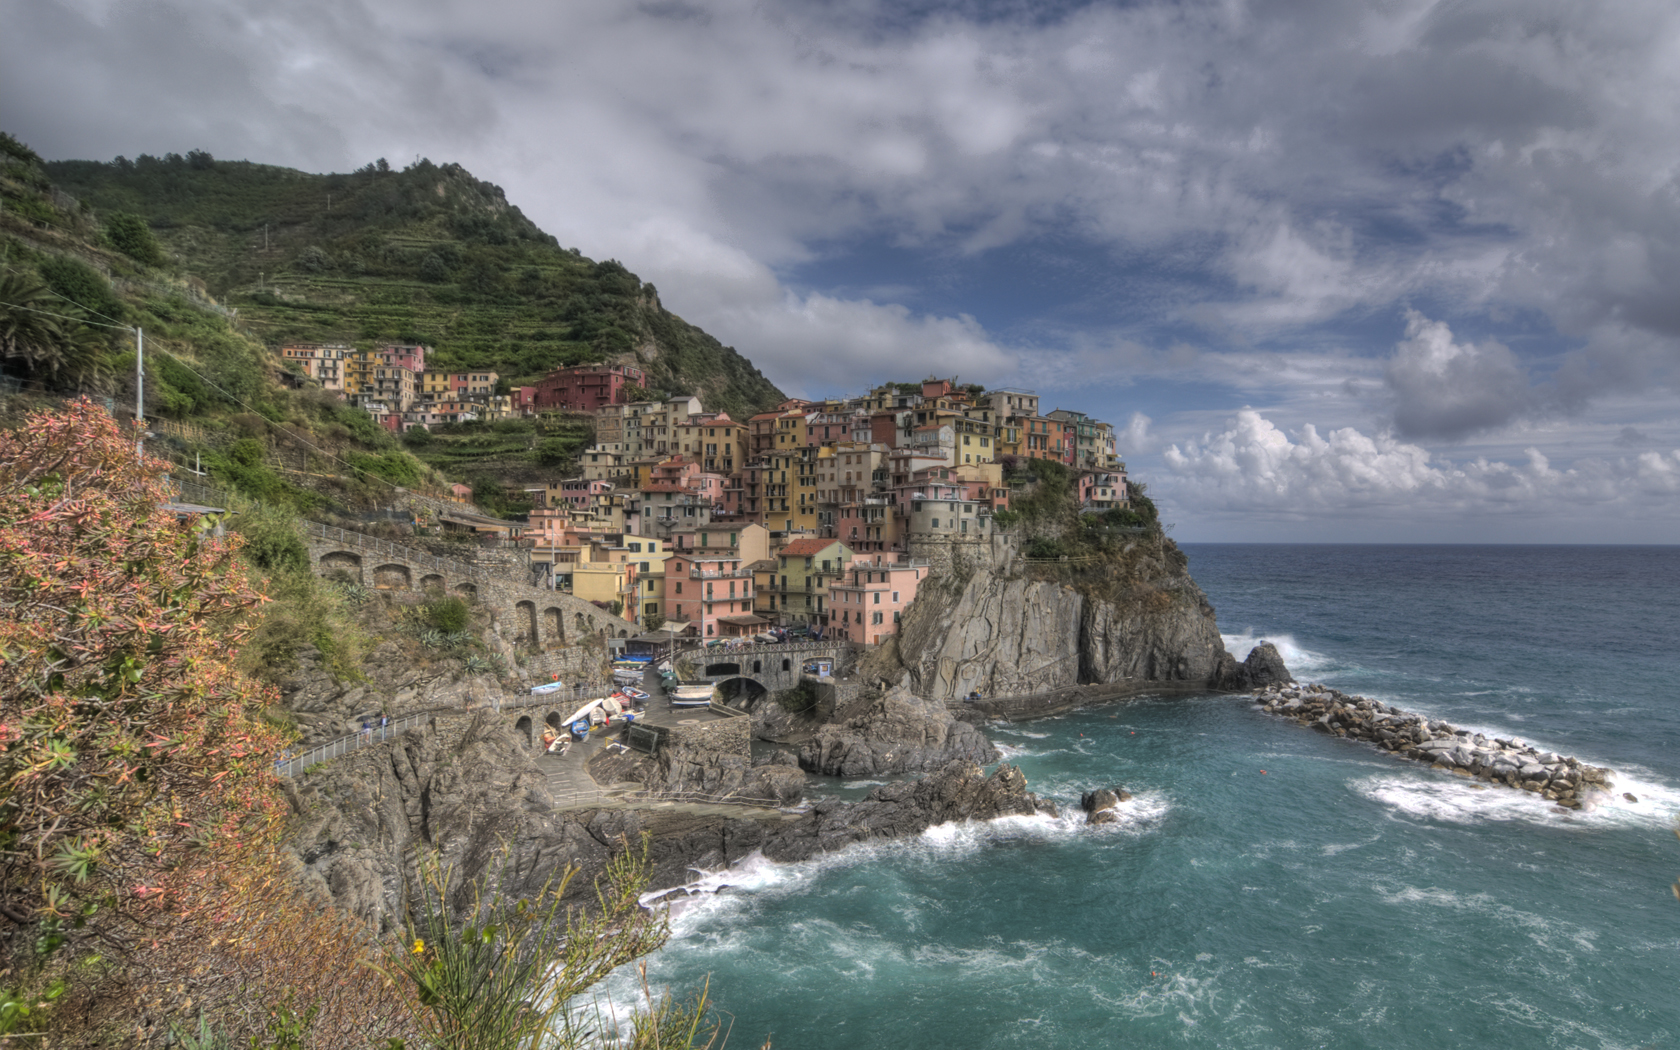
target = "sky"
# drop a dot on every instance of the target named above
(1339, 271)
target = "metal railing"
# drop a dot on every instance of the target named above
(701, 797)
(344, 745)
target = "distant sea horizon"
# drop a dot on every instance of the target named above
(1270, 886)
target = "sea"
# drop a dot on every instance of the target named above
(1270, 886)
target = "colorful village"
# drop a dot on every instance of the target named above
(805, 519)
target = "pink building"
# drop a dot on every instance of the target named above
(867, 603)
(713, 590)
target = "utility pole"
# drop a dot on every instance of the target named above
(265, 238)
(140, 392)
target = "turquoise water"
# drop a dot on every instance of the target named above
(1274, 887)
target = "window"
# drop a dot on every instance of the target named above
(936, 523)
(895, 597)
(679, 586)
(875, 618)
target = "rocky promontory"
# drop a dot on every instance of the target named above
(1000, 624)
(1567, 781)
(890, 731)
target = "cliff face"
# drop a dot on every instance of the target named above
(1024, 627)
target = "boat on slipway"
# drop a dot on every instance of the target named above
(691, 694)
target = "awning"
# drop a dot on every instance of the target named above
(742, 621)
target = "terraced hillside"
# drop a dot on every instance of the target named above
(427, 254)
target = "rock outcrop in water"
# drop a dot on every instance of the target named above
(893, 731)
(1010, 626)
(476, 796)
(1565, 781)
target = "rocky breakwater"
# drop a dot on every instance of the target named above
(1566, 781)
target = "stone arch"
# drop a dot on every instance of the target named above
(467, 590)
(431, 582)
(741, 692)
(554, 622)
(553, 720)
(342, 561)
(728, 667)
(393, 577)
(525, 616)
(623, 632)
(524, 726)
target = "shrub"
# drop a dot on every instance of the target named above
(133, 751)
(495, 972)
(449, 615)
(799, 699)
(131, 235)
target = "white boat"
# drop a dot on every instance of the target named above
(698, 694)
(627, 677)
(547, 687)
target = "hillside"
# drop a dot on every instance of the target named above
(427, 254)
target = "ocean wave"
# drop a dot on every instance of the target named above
(1299, 659)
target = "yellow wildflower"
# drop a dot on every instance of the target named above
(419, 946)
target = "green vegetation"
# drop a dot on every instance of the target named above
(1044, 503)
(130, 235)
(302, 609)
(428, 254)
(503, 976)
(799, 699)
(450, 614)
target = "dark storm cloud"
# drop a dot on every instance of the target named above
(1281, 168)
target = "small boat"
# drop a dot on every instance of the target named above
(635, 658)
(547, 687)
(696, 694)
(627, 677)
(634, 694)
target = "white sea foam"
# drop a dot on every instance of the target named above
(1017, 731)
(1300, 660)
(1430, 795)
(1009, 751)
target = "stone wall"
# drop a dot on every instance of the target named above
(524, 617)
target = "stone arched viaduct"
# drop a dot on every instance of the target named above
(531, 616)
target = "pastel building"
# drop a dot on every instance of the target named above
(711, 590)
(867, 602)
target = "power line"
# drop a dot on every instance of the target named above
(67, 317)
(60, 295)
(207, 380)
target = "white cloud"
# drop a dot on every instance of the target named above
(1254, 468)
(1445, 389)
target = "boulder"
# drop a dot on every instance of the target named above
(893, 731)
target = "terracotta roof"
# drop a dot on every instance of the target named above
(806, 548)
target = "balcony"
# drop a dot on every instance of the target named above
(720, 574)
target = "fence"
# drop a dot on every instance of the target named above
(701, 798)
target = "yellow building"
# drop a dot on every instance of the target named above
(790, 500)
(719, 445)
(804, 569)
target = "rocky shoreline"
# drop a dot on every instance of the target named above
(1566, 781)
